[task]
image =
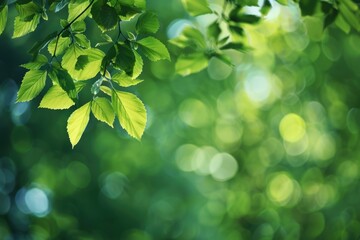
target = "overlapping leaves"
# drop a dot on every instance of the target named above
(70, 62)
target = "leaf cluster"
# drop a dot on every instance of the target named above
(68, 61)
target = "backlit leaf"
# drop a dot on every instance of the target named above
(147, 23)
(39, 61)
(22, 28)
(56, 98)
(77, 123)
(62, 45)
(125, 81)
(103, 111)
(196, 8)
(75, 7)
(32, 84)
(131, 113)
(88, 71)
(153, 49)
(191, 63)
(3, 18)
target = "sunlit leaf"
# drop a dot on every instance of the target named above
(82, 40)
(190, 37)
(27, 9)
(62, 77)
(62, 45)
(191, 63)
(88, 71)
(75, 7)
(131, 113)
(22, 28)
(3, 18)
(125, 81)
(103, 111)
(56, 98)
(283, 2)
(38, 62)
(147, 23)
(78, 27)
(153, 49)
(31, 85)
(196, 8)
(77, 123)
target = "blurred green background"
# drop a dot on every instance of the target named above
(268, 149)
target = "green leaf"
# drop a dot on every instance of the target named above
(153, 49)
(283, 2)
(191, 63)
(3, 18)
(27, 10)
(214, 31)
(62, 45)
(22, 28)
(196, 7)
(265, 7)
(75, 7)
(78, 27)
(308, 7)
(147, 23)
(106, 90)
(103, 111)
(125, 59)
(41, 44)
(131, 113)
(56, 98)
(77, 123)
(90, 70)
(125, 81)
(63, 78)
(104, 15)
(38, 62)
(190, 37)
(349, 16)
(342, 24)
(32, 84)
(82, 40)
(233, 45)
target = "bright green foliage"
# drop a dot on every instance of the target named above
(124, 81)
(77, 123)
(147, 23)
(103, 111)
(131, 113)
(88, 68)
(76, 7)
(62, 77)
(37, 63)
(75, 62)
(56, 98)
(191, 63)
(3, 17)
(32, 84)
(283, 2)
(196, 8)
(153, 49)
(22, 28)
(62, 44)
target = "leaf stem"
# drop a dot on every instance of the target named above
(69, 25)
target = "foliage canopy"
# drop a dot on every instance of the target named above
(72, 61)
